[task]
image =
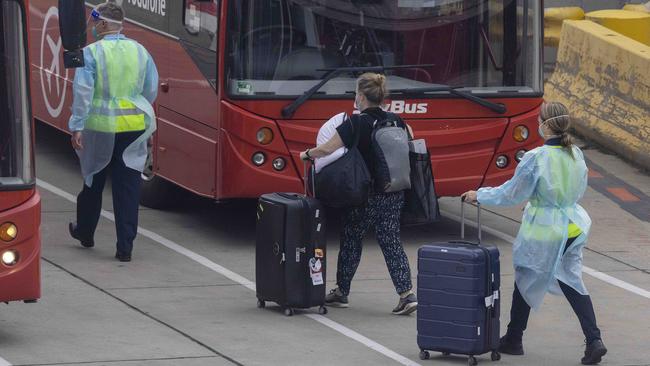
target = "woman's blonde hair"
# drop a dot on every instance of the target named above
(373, 87)
(556, 117)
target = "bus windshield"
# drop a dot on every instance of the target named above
(281, 47)
(16, 168)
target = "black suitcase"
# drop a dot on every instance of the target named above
(458, 298)
(290, 254)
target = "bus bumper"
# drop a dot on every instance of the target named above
(22, 281)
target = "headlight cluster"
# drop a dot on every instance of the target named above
(8, 232)
(265, 136)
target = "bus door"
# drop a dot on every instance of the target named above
(188, 101)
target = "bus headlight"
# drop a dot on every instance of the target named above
(502, 161)
(264, 135)
(279, 164)
(520, 155)
(10, 257)
(520, 134)
(8, 231)
(258, 158)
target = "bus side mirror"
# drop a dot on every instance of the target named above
(72, 26)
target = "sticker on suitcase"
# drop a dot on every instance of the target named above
(316, 271)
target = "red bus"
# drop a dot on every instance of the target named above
(20, 204)
(246, 84)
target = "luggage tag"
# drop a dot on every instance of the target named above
(316, 271)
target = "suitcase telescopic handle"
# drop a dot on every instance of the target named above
(462, 220)
(306, 176)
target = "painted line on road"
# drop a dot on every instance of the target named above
(4, 362)
(340, 328)
(590, 271)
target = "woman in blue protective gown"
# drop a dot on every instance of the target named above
(547, 253)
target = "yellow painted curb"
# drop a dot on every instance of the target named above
(553, 18)
(603, 78)
(633, 24)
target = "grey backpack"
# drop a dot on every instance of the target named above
(390, 148)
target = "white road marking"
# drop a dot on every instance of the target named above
(361, 339)
(616, 282)
(238, 279)
(588, 270)
(4, 362)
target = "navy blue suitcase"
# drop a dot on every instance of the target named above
(458, 298)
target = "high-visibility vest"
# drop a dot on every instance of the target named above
(120, 68)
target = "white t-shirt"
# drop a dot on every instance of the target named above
(325, 134)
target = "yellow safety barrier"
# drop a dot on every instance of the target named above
(643, 8)
(603, 78)
(633, 24)
(553, 18)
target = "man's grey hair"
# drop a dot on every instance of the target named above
(111, 10)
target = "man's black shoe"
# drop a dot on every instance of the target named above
(510, 347)
(123, 257)
(72, 228)
(594, 352)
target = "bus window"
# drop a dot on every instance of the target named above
(200, 20)
(279, 47)
(16, 167)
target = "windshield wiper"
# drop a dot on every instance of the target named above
(495, 107)
(291, 108)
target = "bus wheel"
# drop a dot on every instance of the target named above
(158, 193)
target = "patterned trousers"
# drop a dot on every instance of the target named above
(382, 211)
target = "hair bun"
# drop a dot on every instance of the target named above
(380, 79)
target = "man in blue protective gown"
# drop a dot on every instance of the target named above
(112, 121)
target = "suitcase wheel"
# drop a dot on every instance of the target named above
(322, 310)
(471, 361)
(424, 355)
(288, 311)
(261, 304)
(495, 356)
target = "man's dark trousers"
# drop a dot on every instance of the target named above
(126, 184)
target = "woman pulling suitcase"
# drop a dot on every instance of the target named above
(381, 210)
(547, 253)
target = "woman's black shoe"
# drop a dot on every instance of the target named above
(594, 352)
(72, 228)
(123, 257)
(510, 347)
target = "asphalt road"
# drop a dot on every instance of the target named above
(186, 298)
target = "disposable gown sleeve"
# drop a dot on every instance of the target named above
(83, 90)
(150, 88)
(516, 190)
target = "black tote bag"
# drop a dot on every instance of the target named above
(420, 202)
(346, 182)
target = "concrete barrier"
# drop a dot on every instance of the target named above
(643, 8)
(633, 24)
(603, 78)
(553, 18)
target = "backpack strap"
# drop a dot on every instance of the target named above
(356, 135)
(391, 120)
